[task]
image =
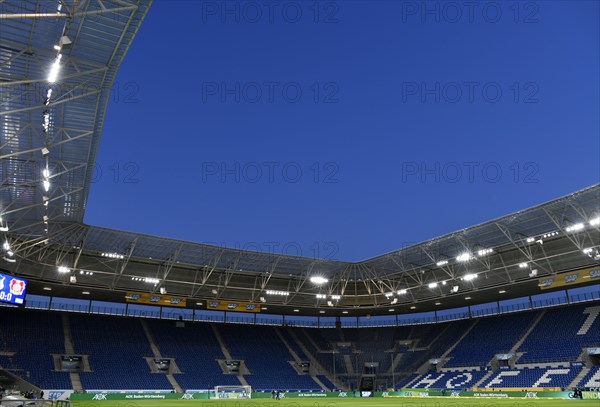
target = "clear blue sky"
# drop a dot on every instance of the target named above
(347, 129)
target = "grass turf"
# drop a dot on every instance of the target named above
(354, 402)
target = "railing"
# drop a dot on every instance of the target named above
(119, 309)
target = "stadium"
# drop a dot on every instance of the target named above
(505, 309)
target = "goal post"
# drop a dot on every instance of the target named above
(232, 392)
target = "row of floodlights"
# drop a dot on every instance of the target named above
(324, 297)
(466, 256)
(113, 255)
(432, 285)
(146, 280)
(65, 270)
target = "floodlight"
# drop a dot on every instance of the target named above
(279, 293)
(466, 256)
(318, 280)
(575, 228)
(54, 69)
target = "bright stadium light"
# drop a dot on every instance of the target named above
(318, 280)
(523, 265)
(432, 285)
(441, 263)
(575, 228)
(484, 252)
(402, 292)
(469, 277)
(336, 297)
(63, 269)
(389, 295)
(466, 256)
(113, 255)
(278, 293)
(321, 296)
(595, 221)
(530, 239)
(54, 69)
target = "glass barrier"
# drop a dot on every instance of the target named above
(543, 300)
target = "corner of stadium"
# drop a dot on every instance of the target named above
(505, 310)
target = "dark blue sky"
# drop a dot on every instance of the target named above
(347, 129)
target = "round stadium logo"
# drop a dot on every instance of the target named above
(17, 286)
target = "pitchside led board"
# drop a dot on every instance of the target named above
(12, 289)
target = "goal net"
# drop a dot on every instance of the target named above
(232, 392)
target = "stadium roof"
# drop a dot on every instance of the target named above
(60, 131)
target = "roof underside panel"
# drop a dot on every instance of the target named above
(100, 33)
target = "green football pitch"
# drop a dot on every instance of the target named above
(366, 402)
